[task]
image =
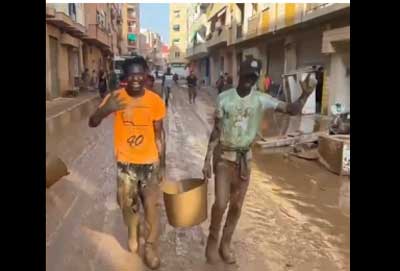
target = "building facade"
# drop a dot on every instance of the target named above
(151, 50)
(65, 32)
(131, 27)
(197, 52)
(285, 37)
(79, 37)
(178, 33)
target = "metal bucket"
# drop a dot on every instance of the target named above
(185, 202)
(55, 169)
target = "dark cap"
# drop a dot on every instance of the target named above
(250, 66)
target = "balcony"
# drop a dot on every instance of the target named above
(314, 11)
(335, 37)
(98, 36)
(132, 44)
(50, 12)
(197, 51)
(218, 38)
(68, 40)
(131, 29)
(266, 23)
(64, 22)
(132, 16)
(239, 31)
(252, 28)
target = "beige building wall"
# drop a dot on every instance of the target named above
(48, 71)
(124, 34)
(66, 69)
(70, 54)
(178, 39)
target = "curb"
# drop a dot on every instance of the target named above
(75, 113)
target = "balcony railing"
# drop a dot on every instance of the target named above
(266, 21)
(97, 34)
(253, 23)
(314, 11)
(197, 50)
(218, 37)
(316, 6)
(65, 22)
(132, 44)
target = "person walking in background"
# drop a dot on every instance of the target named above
(228, 84)
(93, 81)
(85, 79)
(318, 90)
(166, 84)
(113, 80)
(220, 84)
(103, 83)
(149, 84)
(267, 82)
(192, 87)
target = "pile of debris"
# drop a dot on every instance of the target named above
(332, 151)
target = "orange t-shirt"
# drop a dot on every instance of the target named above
(134, 135)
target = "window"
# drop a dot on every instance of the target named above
(72, 11)
(131, 13)
(177, 54)
(175, 41)
(177, 13)
(101, 19)
(176, 27)
(253, 9)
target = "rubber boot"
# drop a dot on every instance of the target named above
(133, 234)
(151, 256)
(213, 237)
(225, 250)
(212, 248)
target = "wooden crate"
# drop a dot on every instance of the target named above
(334, 153)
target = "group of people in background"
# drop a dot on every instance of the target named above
(101, 81)
(224, 82)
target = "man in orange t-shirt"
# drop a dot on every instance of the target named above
(140, 153)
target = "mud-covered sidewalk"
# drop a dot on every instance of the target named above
(295, 216)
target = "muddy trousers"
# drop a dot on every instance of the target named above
(230, 190)
(167, 91)
(139, 182)
(192, 94)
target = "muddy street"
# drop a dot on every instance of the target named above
(295, 216)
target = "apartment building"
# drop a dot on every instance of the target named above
(285, 37)
(79, 36)
(178, 33)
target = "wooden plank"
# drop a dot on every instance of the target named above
(288, 140)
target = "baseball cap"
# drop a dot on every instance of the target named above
(250, 66)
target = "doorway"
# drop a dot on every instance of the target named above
(55, 87)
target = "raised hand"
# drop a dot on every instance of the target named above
(114, 103)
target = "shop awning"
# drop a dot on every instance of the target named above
(131, 37)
